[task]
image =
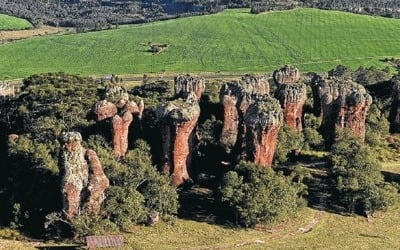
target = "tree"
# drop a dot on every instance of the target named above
(356, 175)
(288, 140)
(260, 195)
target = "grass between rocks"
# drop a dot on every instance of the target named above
(231, 41)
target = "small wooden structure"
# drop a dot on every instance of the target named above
(115, 241)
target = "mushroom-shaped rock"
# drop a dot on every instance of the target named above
(395, 111)
(236, 97)
(263, 120)
(186, 84)
(292, 98)
(286, 75)
(341, 103)
(75, 172)
(104, 110)
(120, 130)
(98, 183)
(178, 120)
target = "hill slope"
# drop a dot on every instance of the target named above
(231, 41)
(13, 23)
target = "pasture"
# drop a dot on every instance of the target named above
(231, 41)
(13, 23)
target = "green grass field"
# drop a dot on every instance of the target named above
(13, 23)
(231, 41)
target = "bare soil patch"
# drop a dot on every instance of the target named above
(8, 36)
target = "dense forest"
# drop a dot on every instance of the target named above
(100, 14)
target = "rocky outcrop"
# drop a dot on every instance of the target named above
(263, 120)
(186, 84)
(342, 103)
(236, 97)
(178, 120)
(98, 183)
(75, 173)
(395, 110)
(287, 74)
(292, 95)
(104, 110)
(81, 176)
(117, 109)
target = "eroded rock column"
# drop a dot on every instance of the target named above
(98, 183)
(83, 183)
(292, 95)
(120, 112)
(75, 173)
(236, 97)
(178, 120)
(263, 120)
(187, 84)
(343, 104)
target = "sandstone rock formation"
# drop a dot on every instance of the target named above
(263, 120)
(236, 97)
(76, 173)
(395, 111)
(186, 84)
(104, 110)
(178, 120)
(342, 103)
(287, 74)
(292, 95)
(98, 183)
(80, 176)
(120, 111)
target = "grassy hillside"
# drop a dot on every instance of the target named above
(13, 23)
(232, 41)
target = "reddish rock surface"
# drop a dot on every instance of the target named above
(98, 183)
(104, 110)
(75, 173)
(236, 97)
(121, 112)
(13, 137)
(178, 120)
(292, 95)
(342, 103)
(263, 120)
(120, 130)
(287, 74)
(395, 112)
(186, 84)
(81, 173)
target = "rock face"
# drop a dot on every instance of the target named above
(286, 75)
(186, 84)
(292, 95)
(98, 183)
(104, 110)
(342, 103)
(178, 120)
(235, 98)
(117, 109)
(263, 120)
(81, 176)
(395, 112)
(76, 173)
